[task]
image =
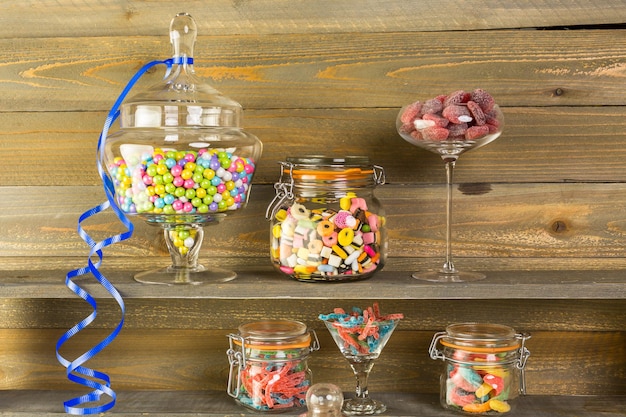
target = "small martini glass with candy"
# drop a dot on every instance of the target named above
(361, 335)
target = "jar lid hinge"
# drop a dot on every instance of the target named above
(284, 191)
(236, 360)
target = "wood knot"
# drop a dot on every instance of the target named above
(130, 12)
(474, 188)
(558, 226)
(559, 92)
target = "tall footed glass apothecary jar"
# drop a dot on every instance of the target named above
(181, 161)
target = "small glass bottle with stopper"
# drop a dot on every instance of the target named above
(324, 400)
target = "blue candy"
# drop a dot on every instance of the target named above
(470, 376)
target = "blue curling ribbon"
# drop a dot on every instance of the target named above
(76, 372)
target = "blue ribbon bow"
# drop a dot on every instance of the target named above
(99, 382)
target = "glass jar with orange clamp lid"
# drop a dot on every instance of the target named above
(484, 366)
(326, 222)
(268, 364)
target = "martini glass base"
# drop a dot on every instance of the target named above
(363, 407)
(185, 276)
(440, 276)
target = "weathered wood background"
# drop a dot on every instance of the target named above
(548, 195)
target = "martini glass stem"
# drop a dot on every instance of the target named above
(361, 372)
(448, 266)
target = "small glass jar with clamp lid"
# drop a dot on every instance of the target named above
(268, 364)
(484, 367)
(326, 222)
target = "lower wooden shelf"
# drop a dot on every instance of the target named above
(18, 403)
(260, 281)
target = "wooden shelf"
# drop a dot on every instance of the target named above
(209, 404)
(607, 285)
(576, 319)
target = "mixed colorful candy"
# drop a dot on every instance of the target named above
(325, 243)
(183, 239)
(459, 115)
(361, 332)
(160, 181)
(480, 388)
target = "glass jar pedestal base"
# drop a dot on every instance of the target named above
(172, 275)
(442, 276)
(184, 242)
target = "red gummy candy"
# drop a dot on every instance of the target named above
(411, 112)
(496, 383)
(484, 99)
(407, 128)
(476, 132)
(493, 122)
(457, 114)
(460, 115)
(492, 118)
(493, 128)
(417, 135)
(460, 400)
(439, 121)
(432, 106)
(456, 97)
(435, 133)
(477, 112)
(457, 131)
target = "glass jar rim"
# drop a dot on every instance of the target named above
(315, 161)
(319, 167)
(275, 334)
(481, 337)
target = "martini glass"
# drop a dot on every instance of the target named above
(181, 161)
(361, 355)
(449, 149)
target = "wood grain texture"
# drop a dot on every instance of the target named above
(532, 149)
(145, 311)
(18, 270)
(150, 359)
(42, 403)
(65, 18)
(354, 70)
(540, 210)
(569, 220)
(261, 282)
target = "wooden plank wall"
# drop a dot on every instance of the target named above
(330, 75)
